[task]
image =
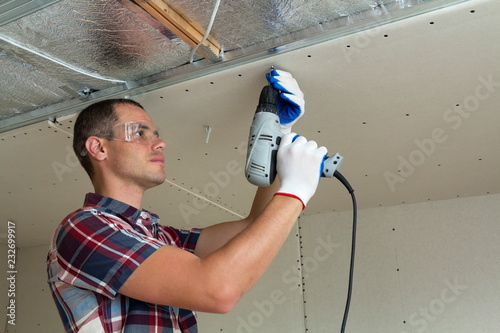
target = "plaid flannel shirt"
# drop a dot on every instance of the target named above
(93, 252)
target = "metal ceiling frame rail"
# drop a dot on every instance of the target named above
(291, 42)
(12, 10)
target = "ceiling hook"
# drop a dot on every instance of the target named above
(208, 129)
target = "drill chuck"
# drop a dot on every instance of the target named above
(268, 101)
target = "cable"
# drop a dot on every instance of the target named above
(341, 178)
(58, 61)
(216, 7)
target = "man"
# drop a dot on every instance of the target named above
(113, 268)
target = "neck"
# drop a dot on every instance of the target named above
(131, 195)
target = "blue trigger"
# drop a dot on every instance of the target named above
(295, 137)
(322, 166)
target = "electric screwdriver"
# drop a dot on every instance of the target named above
(263, 143)
(264, 139)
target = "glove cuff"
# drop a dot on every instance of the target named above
(286, 129)
(292, 196)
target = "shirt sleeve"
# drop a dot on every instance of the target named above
(185, 239)
(99, 254)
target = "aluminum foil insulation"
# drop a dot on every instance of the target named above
(240, 23)
(62, 51)
(54, 54)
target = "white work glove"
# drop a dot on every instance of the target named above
(291, 102)
(299, 166)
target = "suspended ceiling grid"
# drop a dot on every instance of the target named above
(370, 96)
(56, 59)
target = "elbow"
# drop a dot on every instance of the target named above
(225, 299)
(223, 308)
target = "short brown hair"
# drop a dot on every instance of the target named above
(98, 120)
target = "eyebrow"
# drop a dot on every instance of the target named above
(146, 126)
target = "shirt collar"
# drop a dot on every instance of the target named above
(116, 207)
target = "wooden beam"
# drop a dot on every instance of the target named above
(211, 49)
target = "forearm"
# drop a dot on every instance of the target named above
(214, 237)
(245, 258)
(262, 198)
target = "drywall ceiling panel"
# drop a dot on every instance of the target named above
(39, 176)
(274, 304)
(386, 99)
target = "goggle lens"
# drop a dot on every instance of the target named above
(140, 132)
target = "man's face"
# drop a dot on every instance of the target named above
(133, 163)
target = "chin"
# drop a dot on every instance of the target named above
(160, 179)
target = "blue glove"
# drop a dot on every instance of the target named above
(291, 102)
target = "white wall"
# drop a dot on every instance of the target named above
(35, 309)
(427, 267)
(4, 300)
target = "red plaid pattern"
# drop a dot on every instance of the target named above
(93, 252)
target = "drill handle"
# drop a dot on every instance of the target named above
(330, 165)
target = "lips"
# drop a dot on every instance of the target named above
(158, 159)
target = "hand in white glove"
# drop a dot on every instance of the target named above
(299, 165)
(291, 103)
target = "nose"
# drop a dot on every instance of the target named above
(159, 144)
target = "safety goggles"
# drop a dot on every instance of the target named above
(134, 131)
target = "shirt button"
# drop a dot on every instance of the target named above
(144, 215)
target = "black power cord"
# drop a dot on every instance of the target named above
(341, 178)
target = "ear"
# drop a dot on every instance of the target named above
(95, 147)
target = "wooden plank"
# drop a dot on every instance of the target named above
(182, 28)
